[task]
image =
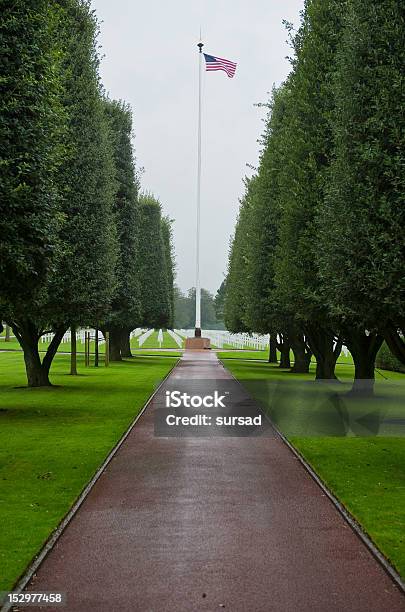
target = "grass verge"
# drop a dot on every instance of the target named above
(245, 354)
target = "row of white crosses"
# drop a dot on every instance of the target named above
(80, 336)
(177, 337)
(184, 333)
(144, 336)
(148, 332)
(173, 333)
(137, 332)
(221, 338)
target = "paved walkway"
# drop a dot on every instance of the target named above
(196, 524)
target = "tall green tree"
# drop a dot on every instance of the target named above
(236, 298)
(219, 301)
(264, 312)
(154, 282)
(125, 313)
(167, 234)
(78, 287)
(361, 230)
(83, 286)
(32, 122)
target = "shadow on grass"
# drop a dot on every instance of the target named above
(305, 408)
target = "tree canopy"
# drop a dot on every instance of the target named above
(32, 129)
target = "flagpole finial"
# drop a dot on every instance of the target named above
(200, 44)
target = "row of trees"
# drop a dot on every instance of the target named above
(79, 245)
(317, 258)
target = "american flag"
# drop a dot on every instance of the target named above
(219, 63)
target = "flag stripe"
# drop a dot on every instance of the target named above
(230, 66)
(221, 66)
(221, 59)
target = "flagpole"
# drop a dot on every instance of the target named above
(197, 331)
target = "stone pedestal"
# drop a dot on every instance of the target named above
(197, 344)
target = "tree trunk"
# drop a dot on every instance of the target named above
(37, 375)
(28, 335)
(364, 349)
(273, 348)
(284, 348)
(7, 338)
(115, 344)
(302, 355)
(96, 351)
(73, 351)
(395, 342)
(126, 342)
(321, 341)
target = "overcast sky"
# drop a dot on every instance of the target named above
(151, 61)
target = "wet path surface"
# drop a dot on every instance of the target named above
(195, 524)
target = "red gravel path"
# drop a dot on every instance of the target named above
(196, 524)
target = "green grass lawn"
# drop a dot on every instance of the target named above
(356, 446)
(53, 440)
(11, 345)
(157, 352)
(262, 355)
